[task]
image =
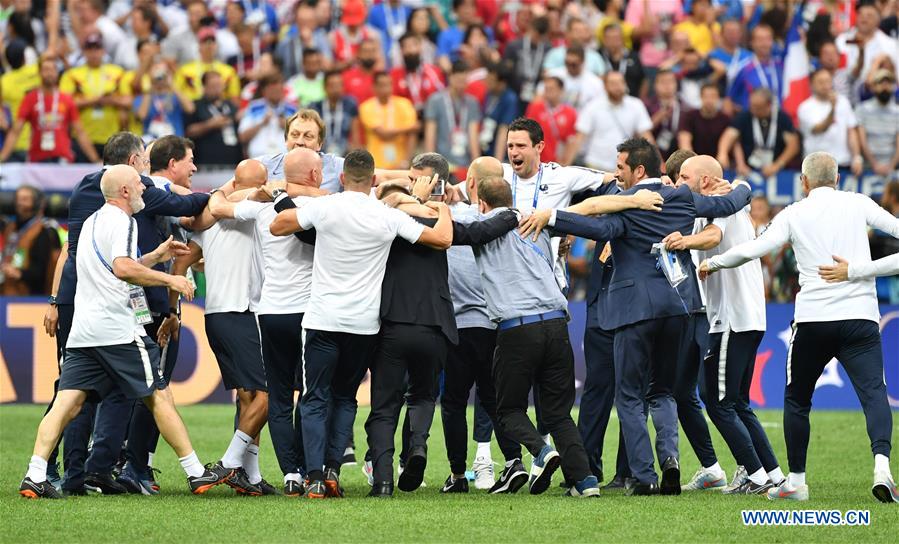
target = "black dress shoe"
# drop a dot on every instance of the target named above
(382, 490)
(670, 477)
(104, 483)
(413, 471)
(642, 489)
(618, 482)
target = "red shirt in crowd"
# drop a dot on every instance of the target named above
(417, 86)
(345, 47)
(51, 116)
(359, 84)
(558, 126)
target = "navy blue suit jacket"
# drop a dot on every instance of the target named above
(637, 290)
(87, 198)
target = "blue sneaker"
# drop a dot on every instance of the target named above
(545, 463)
(134, 483)
(588, 487)
(53, 476)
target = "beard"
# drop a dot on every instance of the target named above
(137, 204)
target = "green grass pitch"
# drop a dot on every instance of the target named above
(840, 472)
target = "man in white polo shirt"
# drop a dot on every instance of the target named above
(735, 305)
(354, 233)
(828, 123)
(231, 294)
(832, 320)
(107, 346)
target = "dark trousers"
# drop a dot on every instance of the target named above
(728, 372)
(483, 425)
(646, 355)
(119, 418)
(540, 354)
(143, 435)
(598, 398)
(418, 351)
(282, 353)
(689, 410)
(467, 364)
(334, 364)
(856, 344)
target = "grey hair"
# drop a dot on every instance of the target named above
(434, 161)
(820, 169)
(119, 148)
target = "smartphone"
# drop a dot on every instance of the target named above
(439, 188)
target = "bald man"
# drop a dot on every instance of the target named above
(285, 272)
(729, 331)
(107, 346)
(232, 295)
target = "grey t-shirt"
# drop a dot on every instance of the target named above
(453, 117)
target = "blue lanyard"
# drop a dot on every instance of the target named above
(536, 187)
(97, 249)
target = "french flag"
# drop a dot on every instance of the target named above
(797, 67)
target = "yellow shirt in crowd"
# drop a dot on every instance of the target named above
(189, 79)
(702, 36)
(14, 85)
(134, 124)
(100, 122)
(397, 114)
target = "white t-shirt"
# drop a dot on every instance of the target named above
(557, 185)
(579, 90)
(880, 44)
(103, 314)
(735, 297)
(823, 224)
(228, 249)
(835, 140)
(353, 237)
(607, 125)
(286, 263)
(270, 138)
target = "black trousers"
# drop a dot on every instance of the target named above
(418, 351)
(728, 372)
(597, 400)
(470, 363)
(540, 354)
(282, 355)
(689, 410)
(856, 344)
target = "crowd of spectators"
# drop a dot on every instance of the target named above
(402, 76)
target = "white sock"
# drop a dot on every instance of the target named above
(776, 475)
(484, 450)
(716, 468)
(150, 459)
(251, 463)
(796, 479)
(759, 477)
(37, 469)
(191, 465)
(546, 440)
(233, 457)
(881, 464)
(292, 477)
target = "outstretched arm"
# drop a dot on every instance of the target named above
(778, 234)
(723, 206)
(484, 231)
(846, 271)
(607, 227)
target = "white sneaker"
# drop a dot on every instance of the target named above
(706, 478)
(483, 473)
(884, 488)
(740, 477)
(787, 492)
(369, 472)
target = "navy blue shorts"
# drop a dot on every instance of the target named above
(234, 339)
(132, 367)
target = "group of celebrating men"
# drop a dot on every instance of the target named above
(320, 268)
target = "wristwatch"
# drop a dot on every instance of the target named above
(277, 192)
(51, 300)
